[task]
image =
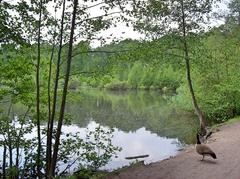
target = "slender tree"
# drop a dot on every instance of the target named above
(54, 100)
(4, 161)
(188, 71)
(181, 18)
(65, 89)
(38, 91)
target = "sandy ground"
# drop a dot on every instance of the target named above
(188, 165)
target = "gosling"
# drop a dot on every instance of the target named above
(204, 150)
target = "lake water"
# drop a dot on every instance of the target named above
(145, 123)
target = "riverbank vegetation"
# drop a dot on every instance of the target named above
(155, 66)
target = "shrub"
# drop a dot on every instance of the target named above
(147, 77)
(167, 77)
(117, 85)
(135, 75)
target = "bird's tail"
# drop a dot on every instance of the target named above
(213, 155)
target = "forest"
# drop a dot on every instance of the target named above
(48, 63)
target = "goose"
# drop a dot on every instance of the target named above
(203, 149)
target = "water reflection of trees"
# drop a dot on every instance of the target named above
(131, 111)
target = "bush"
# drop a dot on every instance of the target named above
(135, 75)
(73, 84)
(221, 102)
(167, 77)
(183, 98)
(117, 85)
(147, 78)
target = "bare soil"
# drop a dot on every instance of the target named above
(188, 165)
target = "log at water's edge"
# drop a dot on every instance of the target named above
(136, 157)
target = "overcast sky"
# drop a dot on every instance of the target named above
(127, 32)
(121, 31)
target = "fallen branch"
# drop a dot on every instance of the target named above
(136, 157)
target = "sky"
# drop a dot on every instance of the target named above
(121, 31)
(124, 32)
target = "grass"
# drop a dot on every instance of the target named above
(233, 120)
(230, 121)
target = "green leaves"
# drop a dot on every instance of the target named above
(91, 152)
(16, 79)
(99, 148)
(157, 18)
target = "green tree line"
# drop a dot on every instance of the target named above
(149, 66)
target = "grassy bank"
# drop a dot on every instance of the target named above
(230, 121)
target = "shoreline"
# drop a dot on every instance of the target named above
(187, 164)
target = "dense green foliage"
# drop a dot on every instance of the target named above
(18, 119)
(157, 65)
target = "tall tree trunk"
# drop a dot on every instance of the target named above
(51, 119)
(9, 137)
(38, 162)
(18, 143)
(10, 149)
(17, 151)
(200, 114)
(65, 89)
(4, 161)
(48, 147)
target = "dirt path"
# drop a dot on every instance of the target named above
(187, 165)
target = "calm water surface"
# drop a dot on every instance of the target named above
(144, 123)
